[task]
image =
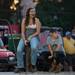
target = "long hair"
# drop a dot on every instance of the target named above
(28, 17)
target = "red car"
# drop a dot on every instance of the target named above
(7, 58)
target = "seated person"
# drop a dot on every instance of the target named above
(69, 45)
(55, 46)
(30, 31)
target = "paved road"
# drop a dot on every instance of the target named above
(37, 73)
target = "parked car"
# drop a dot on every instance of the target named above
(7, 57)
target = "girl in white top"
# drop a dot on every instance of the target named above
(30, 29)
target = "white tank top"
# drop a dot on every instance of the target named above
(33, 26)
(30, 29)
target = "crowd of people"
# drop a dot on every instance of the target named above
(62, 50)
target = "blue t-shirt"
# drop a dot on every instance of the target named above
(53, 44)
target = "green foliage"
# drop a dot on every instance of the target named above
(56, 14)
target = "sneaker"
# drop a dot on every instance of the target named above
(18, 70)
(58, 68)
(53, 68)
(34, 69)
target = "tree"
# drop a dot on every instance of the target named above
(56, 13)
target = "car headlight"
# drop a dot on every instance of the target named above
(11, 58)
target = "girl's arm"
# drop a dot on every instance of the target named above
(38, 24)
(23, 27)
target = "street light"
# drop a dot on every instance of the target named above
(16, 2)
(11, 7)
(14, 5)
(15, 8)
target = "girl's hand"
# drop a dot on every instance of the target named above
(30, 37)
(26, 41)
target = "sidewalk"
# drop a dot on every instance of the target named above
(49, 73)
(37, 73)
